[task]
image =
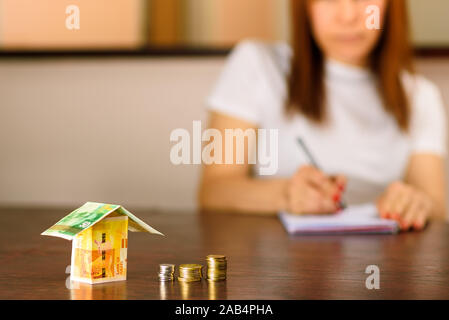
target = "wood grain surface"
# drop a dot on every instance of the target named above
(263, 261)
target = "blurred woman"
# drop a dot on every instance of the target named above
(349, 92)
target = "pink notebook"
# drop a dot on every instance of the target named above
(360, 219)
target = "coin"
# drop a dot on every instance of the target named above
(190, 266)
(216, 257)
(166, 272)
(190, 272)
(216, 267)
(188, 280)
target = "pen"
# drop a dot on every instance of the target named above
(314, 163)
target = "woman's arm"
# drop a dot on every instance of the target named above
(426, 172)
(422, 195)
(242, 194)
(230, 187)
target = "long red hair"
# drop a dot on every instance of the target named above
(391, 56)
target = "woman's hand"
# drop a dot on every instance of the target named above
(409, 206)
(310, 191)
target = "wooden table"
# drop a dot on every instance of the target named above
(263, 261)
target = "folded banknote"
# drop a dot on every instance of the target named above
(91, 213)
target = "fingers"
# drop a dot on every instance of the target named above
(340, 181)
(314, 202)
(418, 219)
(394, 203)
(312, 192)
(405, 204)
(386, 203)
(319, 204)
(420, 222)
(306, 199)
(328, 187)
(400, 203)
(409, 217)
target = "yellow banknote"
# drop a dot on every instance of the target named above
(99, 254)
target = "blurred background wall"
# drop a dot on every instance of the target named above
(96, 128)
(41, 24)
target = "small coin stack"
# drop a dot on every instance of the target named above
(166, 272)
(190, 272)
(216, 267)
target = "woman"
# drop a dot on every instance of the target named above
(377, 130)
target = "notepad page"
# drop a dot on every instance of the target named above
(360, 219)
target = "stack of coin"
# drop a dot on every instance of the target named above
(216, 267)
(190, 272)
(166, 272)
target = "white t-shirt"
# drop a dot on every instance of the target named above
(361, 140)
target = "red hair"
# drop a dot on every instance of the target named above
(391, 56)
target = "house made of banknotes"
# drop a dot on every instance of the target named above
(99, 234)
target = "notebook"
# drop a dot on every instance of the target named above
(360, 219)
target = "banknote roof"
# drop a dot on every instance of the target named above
(88, 215)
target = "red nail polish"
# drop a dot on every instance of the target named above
(336, 197)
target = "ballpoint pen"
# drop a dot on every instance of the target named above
(312, 160)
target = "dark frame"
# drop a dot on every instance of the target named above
(181, 51)
(143, 52)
